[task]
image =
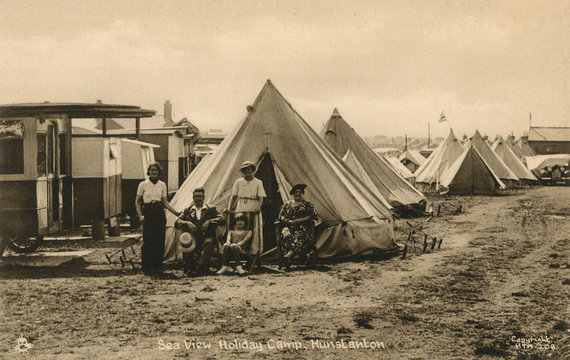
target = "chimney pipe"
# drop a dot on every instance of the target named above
(168, 114)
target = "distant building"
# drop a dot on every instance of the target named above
(208, 143)
(212, 136)
(176, 141)
(175, 154)
(549, 140)
(387, 151)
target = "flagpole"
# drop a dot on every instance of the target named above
(529, 121)
(443, 118)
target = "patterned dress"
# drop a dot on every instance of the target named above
(297, 237)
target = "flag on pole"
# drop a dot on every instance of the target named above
(442, 118)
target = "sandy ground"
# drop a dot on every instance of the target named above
(497, 288)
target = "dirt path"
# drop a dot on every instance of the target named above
(500, 276)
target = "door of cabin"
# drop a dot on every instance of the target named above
(53, 180)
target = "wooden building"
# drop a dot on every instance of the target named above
(549, 140)
(36, 161)
(35, 182)
(97, 177)
(176, 145)
(174, 154)
(207, 144)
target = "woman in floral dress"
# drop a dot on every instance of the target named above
(296, 215)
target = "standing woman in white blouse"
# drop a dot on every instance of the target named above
(151, 193)
(247, 197)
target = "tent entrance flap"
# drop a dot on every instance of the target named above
(272, 203)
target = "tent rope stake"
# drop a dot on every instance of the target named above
(411, 233)
(123, 258)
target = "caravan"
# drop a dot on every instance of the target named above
(36, 162)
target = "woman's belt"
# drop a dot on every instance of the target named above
(154, 202)
(245, 199)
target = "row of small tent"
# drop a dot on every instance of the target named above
(412, 159)
(474, 167)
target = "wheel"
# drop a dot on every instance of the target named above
(2, 244)
(23, 244)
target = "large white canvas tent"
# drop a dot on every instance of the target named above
(353, 164)
(471, 175)
(502, 149)
(492, 159)
(393, 187)
(288, 151)
(430, 172)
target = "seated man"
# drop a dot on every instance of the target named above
(200, 220)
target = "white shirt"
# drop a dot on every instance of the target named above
(248, 193)
(199, 211)
(151, 192)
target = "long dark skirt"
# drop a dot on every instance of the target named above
(153, 236)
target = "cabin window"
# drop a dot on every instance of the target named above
(50, 152)
(62, 154)
(42, 156)
(11, 147)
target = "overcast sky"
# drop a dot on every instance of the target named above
(389, 66)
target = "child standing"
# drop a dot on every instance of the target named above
(235, 245)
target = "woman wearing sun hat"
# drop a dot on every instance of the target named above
(247, 197)
(247, 192)
(296, 214)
